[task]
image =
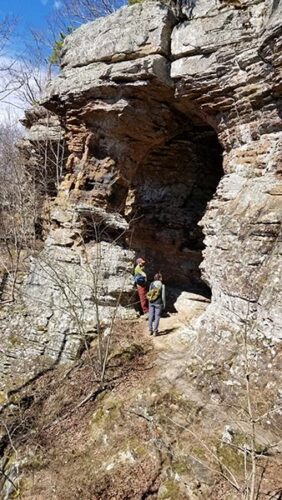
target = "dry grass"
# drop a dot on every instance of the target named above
(50, 428)
(129, 441)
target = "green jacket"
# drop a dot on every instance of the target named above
(139, 273)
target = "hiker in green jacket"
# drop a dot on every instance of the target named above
(156, 298)
(140, 280)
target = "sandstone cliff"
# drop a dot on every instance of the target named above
(170, 126)
(173, 133)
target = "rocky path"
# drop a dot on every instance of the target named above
(174, 328)
(176, 332)
(154, 431)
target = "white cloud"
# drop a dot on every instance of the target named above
(9, 113)
(57, 4)
(11, 106)
(18, 88)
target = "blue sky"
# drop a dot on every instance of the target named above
(22, 49)
(28, 11)
(29, 14)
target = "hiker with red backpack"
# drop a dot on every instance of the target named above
(156, 298)
(140, 280)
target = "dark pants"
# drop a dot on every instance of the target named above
(155, 311)
(141, 290)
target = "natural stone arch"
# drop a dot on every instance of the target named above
(168, 196)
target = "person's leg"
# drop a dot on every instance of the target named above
(151, 318)
(158, 311)
(141, 290)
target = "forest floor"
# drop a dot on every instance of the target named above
(153, 431)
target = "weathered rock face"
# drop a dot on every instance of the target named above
(234, 80)
(214, 78)
(170, 126)
(44, 149)
(25, 340)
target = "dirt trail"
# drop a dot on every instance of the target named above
(174, 328)
(149, 435)
(173, 343)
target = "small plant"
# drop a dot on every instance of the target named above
(133, 2)
(55, 56)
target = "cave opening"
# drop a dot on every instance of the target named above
(171, 191)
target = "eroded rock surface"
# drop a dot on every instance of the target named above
(227, 65)
(170, 127)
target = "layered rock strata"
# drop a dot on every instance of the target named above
(218, 78)
(170, 127)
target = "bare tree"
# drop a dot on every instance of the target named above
(76, 12)
(28, 81)
(7, 86)
(28, 181)
(80, 298)
(16, 204)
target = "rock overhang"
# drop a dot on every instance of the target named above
(151, 51)
(128, 49)
(206, 70)
(119, 112)
(129, 33)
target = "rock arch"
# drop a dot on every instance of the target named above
(171, 190)
(136, 87)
